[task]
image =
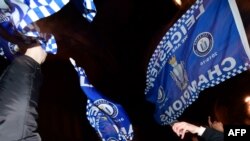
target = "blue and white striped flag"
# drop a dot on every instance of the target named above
(20, 15)
(205, 47)
(87, 8)
(108, 118)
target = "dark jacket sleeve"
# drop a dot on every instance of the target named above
(211, 134)
(19, 89)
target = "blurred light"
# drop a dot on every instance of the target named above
(178, 2)
(247, 99)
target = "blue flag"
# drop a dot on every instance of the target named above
(8, 50)
(108, 118)
(87, 8)
(205, 47)
(20, 16)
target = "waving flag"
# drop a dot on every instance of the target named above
(19, 16)
(90, 10)
(108, 118)
(87, 8)
(205, 47)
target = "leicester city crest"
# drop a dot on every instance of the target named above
(13, 48)
(203, 44)
(108, 107)
(161, 95)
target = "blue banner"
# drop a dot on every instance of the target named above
(108, 118)
(205, 47)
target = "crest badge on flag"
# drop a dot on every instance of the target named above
(205, 47)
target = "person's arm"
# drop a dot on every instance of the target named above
(37, 53)
(209, 134)
(19, 92)
(181, 128)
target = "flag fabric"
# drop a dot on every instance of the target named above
(87, 8)
(19, 16)
(108, 118)
(205, 47)
(7, 49)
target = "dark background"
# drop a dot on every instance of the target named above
(114, 50)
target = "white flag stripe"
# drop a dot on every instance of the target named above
(44, 11)
(55, 6)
